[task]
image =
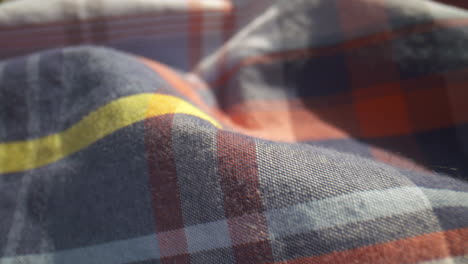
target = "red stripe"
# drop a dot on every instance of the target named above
(237, 164)
(431, 107)
(237, 168)
(99, 32)
(161, 164)
(410, 250)
(164, 187)
(182, 259)
(73, 35)
(384, 116)
(255, 253)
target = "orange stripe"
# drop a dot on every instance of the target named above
(333, 49)
(410, 250)
(297, 125)
(186, 89)
(388, 111)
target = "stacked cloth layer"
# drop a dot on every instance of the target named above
(243, 131)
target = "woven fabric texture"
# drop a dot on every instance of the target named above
(234, 132)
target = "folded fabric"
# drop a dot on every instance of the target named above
(286, 132)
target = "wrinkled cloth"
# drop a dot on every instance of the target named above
(204, 131)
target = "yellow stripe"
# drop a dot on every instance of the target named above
(25, 155)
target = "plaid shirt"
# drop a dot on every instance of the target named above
(243, 131)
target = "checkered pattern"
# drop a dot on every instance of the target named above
(285, 132)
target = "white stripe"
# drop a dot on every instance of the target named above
(439, 10)
(358, 207)
(208, 236)
(123, 251)
(305, 217)
(451, 260)
(35, 12)
(446, 198)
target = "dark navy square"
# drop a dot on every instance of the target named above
(317, 76)
(443, 151)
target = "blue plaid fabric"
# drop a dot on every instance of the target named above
(285, 132)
